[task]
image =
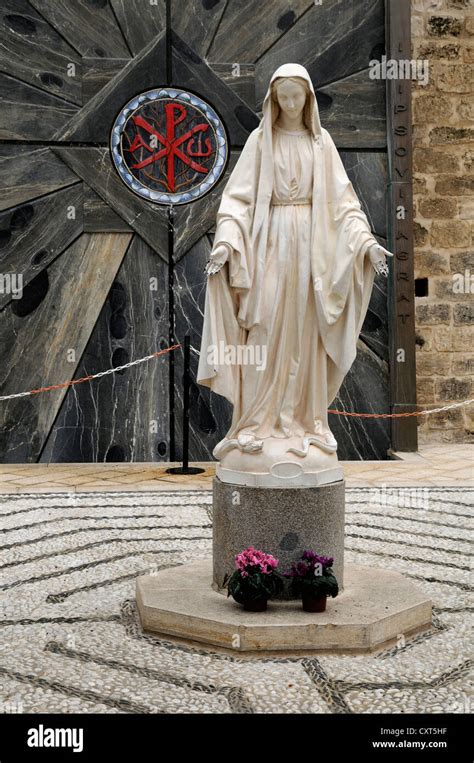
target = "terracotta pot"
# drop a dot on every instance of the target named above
(314, 603)
(256, 605)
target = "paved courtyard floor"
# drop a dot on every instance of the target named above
(436, 465)
(71, 640)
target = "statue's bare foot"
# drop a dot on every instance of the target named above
(324, 434)
(330, 439)
(249, 443)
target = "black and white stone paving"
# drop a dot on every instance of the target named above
(71, 640)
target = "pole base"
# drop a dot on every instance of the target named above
(185, 470)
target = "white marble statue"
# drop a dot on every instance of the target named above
(289, 281)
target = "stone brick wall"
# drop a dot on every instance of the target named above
(443, 164)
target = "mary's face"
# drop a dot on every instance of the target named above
(291, 97)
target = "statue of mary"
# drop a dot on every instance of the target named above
(289, 281)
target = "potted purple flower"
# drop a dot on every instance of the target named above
(313, 579)
(254, 580)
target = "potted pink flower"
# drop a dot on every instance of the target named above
(313, 579)
(254, 580)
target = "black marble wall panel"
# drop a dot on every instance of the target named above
(196, 21)
(99, 216)
(140, 21)
(374, 330)
(366, 387)
(94, 166)
(32, 235)
(249, 28)
(90, 27)
(368, 173)
(240, 78)
(27, 172)
(97, 72)
(27, 113)
(43, 336)
(123, 416)
(210, 414)
(32, 50)
(364, 390)
(353, 111)
(333, 39)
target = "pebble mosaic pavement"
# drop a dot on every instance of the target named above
(71, 640)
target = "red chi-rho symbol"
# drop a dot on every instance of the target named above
(169, 146)
(171, 143)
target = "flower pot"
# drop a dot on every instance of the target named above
(255, 605)
(314, 603)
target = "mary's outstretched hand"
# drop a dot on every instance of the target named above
(217, 260)
(377, 255)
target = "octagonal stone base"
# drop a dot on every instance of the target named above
(376, 607)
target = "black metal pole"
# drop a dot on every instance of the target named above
(185, 468)
(186, 380)
(169, 48)
(171, 337)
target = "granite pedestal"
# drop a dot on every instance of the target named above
(282, 522)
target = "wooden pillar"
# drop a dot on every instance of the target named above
(400, 226)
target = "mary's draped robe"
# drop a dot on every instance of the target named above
(296, 286)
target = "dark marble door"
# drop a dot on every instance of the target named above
(103, 281)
